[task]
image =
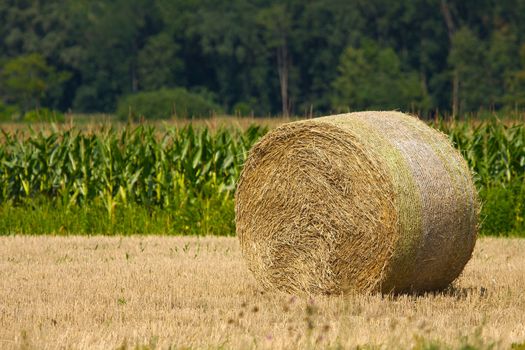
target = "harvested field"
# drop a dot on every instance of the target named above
(107, 292)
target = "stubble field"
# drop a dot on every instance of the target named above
(145, 292)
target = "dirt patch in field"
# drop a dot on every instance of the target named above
(107, 292)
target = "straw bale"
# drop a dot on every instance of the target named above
(368, 201)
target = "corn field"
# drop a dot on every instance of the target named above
(119, 167)
(184, 178)
(189, 172)
(496, 154)
(494, 151)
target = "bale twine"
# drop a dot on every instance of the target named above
(369, 201)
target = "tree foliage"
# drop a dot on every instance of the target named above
(25, 80)
(371, 77)
(166, 103)
(276, 57)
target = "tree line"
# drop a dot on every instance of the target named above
(266, 57)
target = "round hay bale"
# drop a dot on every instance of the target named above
(368, 201)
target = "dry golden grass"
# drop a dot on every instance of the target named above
(107, 292)
(96, 123)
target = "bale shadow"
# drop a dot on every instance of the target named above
(451, 291)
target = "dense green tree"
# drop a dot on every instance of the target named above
(243, 71)
(468, 59)
(322, 30)
(275, 22)
(371, 77)
(158, 64)
(503, 62)
(515, 84)
(115, 33)
(42, 27)
(25, 80)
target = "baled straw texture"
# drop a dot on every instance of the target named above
(369, 201)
